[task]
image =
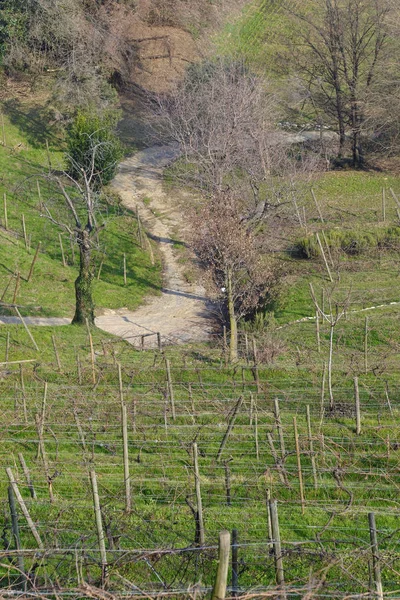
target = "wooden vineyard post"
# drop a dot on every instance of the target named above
(317, 206)
(33, 262)
(39, 195)
(39, 427)
(230, 427)
(200, 522)
(124, 419)
(3, 130)
(279, 427)
(276, 536)
(24, 232)
(24, 509)
(53, 339)
(5, 211)
(140, 231)
(383, 205)
(324, 258)
(170, 388)
(317, 331)
(358, 409)
(43, 416)
(21, 377)
(296, 440)
(7, 287)
(255, 366)
(235, 563)
(48, 155)
(375, 556)
(159, 344)
(311, 447)
(27, 475)
(124, 268)
(16, 289)
(26, 328)
(15, 531)
(99, 527)
(269, 522)
(221, 580)
(256, 434)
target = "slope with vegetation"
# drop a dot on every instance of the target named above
(186, 441)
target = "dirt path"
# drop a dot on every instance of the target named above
(182, 312)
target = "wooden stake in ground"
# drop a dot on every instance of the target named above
(124, 268)
(324, 258)
(100, 267)
(15, 530)
(357, 403)
(27, 475)
(26, 328)
(39, 195)
(279, 573)
(317, 206)
(366, 346)
(375, 556)
(200, 522)
(99, 527)
(300, 475)
(124, 422)
(33, 262)
(43, 416)
(311, 447)
(24, 509)
(44, 457)
(16, 289)
(3, 130)
(5, 211)
(7, 287)
(279, 427)
(230, 427)
(170, 388)
(383, 204)
(24, 232)
(221, 580)
(317, 331)
(53, 338)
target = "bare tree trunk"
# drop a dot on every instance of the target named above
(233, 345)
(83, 285)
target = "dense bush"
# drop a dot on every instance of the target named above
(93, 145)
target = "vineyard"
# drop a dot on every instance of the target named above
(177, 447)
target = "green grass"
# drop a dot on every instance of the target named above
(161, 466)
(51, 289)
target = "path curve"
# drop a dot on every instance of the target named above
(182, 313)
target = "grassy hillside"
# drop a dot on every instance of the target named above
(23, 161)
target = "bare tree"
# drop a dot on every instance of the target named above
(229, 252)
(72, 205)
(222, 116)
(342, 46)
